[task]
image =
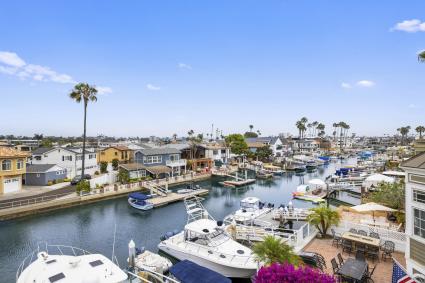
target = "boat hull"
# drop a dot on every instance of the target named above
(228, 271)
(147, 206)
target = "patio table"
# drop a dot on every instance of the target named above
(354, 269)
(361, 239)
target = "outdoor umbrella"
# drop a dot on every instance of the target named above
(372, 207)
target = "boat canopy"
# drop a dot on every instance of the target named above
(138, 196)
(189, 272)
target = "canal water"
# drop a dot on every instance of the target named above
(91, 227)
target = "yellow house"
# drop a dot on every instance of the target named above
(122, 153)
(12, 169)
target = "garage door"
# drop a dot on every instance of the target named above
(11, 185)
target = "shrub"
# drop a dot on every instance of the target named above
(67, 180)
(115, 164)
(49, 183)
(290, 274)
(83, 186)
(96, 173)
(103, 167)
(54, 181)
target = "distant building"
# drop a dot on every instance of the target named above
(68, 158)
(275, 144)
(122, 153)
(419, 145)
(415, 214)
(12, 169)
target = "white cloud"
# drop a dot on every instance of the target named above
(345, 85)
(11, 59)
(185, 66)
(12, 64)
(153, 87)
(365, 83)
(104, 90)
(413, 25)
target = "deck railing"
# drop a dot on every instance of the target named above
(34, 200)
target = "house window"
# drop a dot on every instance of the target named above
(215, 152)
(6, 165)
(417, 179)
(174, 157)
(419, 196)
(152, 159)
(37, 157)
(19, 164)
(419, 222)
(116, 153)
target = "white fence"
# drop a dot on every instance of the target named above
(399, 238)
(108, 178)
(302, 236)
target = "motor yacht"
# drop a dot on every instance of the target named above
(206, 242)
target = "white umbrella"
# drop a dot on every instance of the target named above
(372, 207)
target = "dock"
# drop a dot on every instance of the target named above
(174, 197)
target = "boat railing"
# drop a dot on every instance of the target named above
(210, 252)
(154, 274)
(62, 249)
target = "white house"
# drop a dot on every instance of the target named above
(217, 152)
(275, 144)
(305, 145)
(68, 158)
(415, 215)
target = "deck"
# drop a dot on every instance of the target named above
(174, 197)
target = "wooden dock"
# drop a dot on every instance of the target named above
(174, 197)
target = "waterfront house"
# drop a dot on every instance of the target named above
(305, 145)
(275, 144)
(135, 170)
(12, 169)
(415, 214)
(122, 153)
(44, 174)
(218, 152)
(68, 158)
(161, 161)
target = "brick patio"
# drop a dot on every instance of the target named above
(382, 273)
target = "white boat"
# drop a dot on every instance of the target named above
(205, 242)
(65, 264)
(189, 189)
(250, 209)
(152, 262)
(139, 201)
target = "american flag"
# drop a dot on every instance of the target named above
(399, 275)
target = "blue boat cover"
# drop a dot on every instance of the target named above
(189, 272)
(138, 196)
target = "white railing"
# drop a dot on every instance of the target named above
(399, 238)
(34, 200)
(302, 236)
(175, 163)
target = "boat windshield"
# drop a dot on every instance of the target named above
(212, 239)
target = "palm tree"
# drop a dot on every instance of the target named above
(86, 93)
(421, 56)
(321, 128)
(323, 217)
(335, 130)
(174, 137)
(272, 250)
(420, 130)
(403, 132)
(314, 125)
(309, 125)
(251, 127)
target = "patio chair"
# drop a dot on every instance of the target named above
(369, 274)
(361, 247)
(347, 246)
(340, 259)
(372, 252)
(387, 249)
(352, 230)
(320, 259)
(360, 256)
(362, 232)
(336, 238)
(374, 235)
(335, 266)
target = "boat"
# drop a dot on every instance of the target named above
(206, 242)
(66, 264)
(311, 165)
(264, 175)
(152, 262)
(189, 272)
(139, 201)
(275, 170)
(189, 189)
(250, 209)
(309, 193)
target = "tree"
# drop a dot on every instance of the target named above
(103, 167)
(274, 250)
(237, 144)
(38, 137)
(251, 127)
(83, 186)
(250, 135)
(264, 153)
(323, 217)
(288, 273)
(123, 176)
(388, 194)
(403, 132)
(420, 130)
(46, 142)
(421, 56)
(86, 93)
(115, 164)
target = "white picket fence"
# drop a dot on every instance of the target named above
(399, 238)
(108, 178)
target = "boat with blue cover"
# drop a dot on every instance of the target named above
(190, 272)
(140, 201)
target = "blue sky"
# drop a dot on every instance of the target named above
(166, 67)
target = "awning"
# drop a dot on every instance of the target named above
(138, 196)
(156, 170)
(189, 272)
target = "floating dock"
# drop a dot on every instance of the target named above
(174, 197)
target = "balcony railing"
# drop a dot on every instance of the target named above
(175, 163)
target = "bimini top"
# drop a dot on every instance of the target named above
(250, 200)
(138, 196)
(189, 272)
